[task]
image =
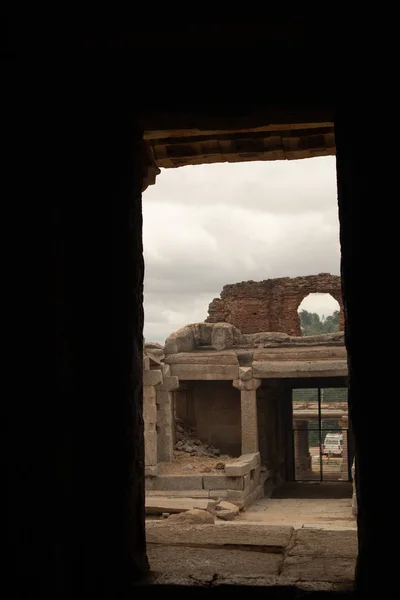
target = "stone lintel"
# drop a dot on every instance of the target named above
(205, 372)
(309, 368)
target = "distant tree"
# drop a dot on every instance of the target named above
(313, 324)
(331, 323)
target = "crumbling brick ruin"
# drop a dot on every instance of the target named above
(272, 304)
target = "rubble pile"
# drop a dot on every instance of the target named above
(187, 441)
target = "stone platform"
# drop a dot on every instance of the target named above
(251, 554)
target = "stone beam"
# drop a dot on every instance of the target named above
(205, 372)
(309, 368)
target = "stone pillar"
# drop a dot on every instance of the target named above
(165, 416)
(248, 403)
(150, 380)
(180, 402)
(302, 456)
(344, 425)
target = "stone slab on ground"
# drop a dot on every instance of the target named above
(180, 585)
(159, 505)
(195, 515)
(325, 543)
(333, 525)
(226, 511)
(205, 563)
(276, 538)
(313, 568)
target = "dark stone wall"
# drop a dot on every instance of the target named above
(76, 439)
(274, 425)
(217, 415)
(362, 178)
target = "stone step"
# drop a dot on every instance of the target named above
(156, 505)
(226, 534)
(178, 493)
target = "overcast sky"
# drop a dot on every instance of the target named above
(209, 225)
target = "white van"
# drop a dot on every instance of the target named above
(333, 444)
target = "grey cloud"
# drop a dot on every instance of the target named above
(193, 247)
(262, 186)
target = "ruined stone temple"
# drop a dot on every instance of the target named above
(245, 391)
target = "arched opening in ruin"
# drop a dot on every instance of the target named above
(319, 313)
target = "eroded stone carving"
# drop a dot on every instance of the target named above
(225, 336)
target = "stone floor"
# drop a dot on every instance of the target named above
(255, 554)
(301, 513)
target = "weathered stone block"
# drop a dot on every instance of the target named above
(203, 333)
(215, 482)
(146, 363)
(166, 370)
(320, 543)
(198, 566)
(245, 359)
(150, 448)
(245, 373)
(248, 385)
(314, 368)
(149, 393)
(194, 515)
(217, 494)
(222, 336)
(244, 464)
(226, 357)
(151, 470)
(158, 505)
(226, 511)
(255, 479)
(178, 482)
(169, 383)
(182, 340)
(205, 372)
(165, 447)
(235, 496)
(149, 413)
(225, 534)
(179, 493)
(151, 378)
(254, 495)
(318, 569)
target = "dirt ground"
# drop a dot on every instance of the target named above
(185, 464)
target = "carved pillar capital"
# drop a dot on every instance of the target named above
(247, 385)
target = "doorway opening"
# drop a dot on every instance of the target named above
(320, 440)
